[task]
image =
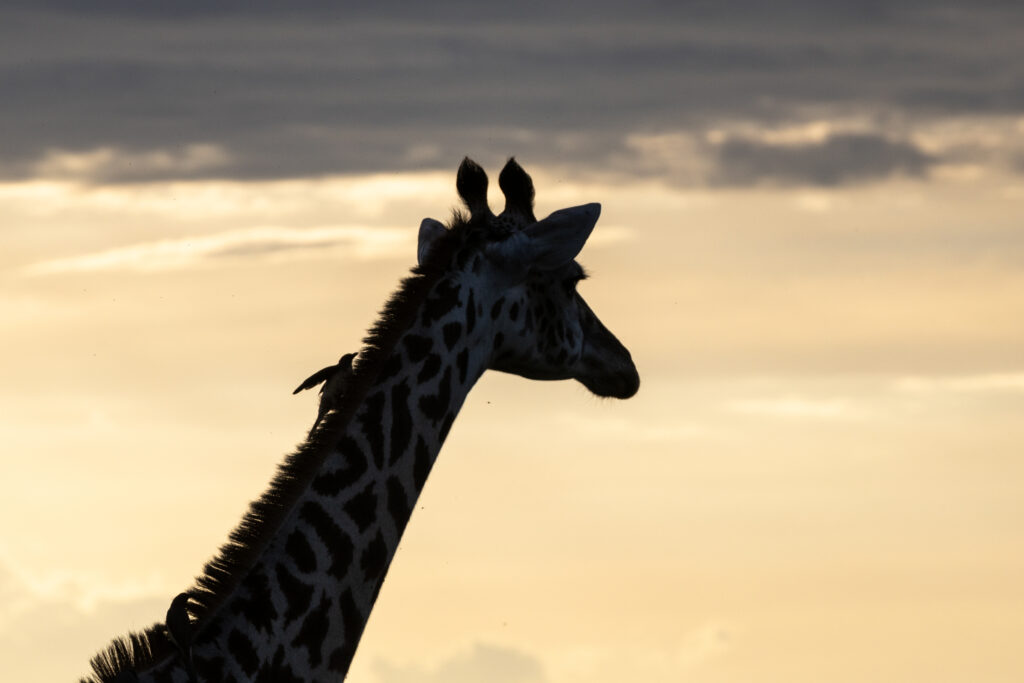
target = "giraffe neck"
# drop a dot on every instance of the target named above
(299, 611)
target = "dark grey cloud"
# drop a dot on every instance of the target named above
(326, 88)
(835, 160)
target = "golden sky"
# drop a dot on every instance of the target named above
(821, 476)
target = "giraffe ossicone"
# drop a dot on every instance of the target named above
(287, 598)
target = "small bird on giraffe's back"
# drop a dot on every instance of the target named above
(179, 630)
(334, 379)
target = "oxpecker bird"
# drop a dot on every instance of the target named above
(179, 629)
(335, 379)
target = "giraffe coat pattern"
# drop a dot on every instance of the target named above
(289, 595)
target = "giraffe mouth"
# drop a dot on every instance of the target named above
(621, 383)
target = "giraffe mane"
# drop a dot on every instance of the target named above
(141, 650)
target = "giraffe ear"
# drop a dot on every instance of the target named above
(557, 239)
(546, 244)
(431, 232)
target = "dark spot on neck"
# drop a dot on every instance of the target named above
(430, 368)
(297, 594)
(417, 347)
(462, 361)
(452, 334)
(375, 558)
(444, 298)
(401, 421)
(362, 508)
(298, 548)
(372, 421)
(313, 631)
(398, 504)
(434, 407)
(470, 314)
(336, 541)
(244, 652)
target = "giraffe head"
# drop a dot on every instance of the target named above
(524, 280)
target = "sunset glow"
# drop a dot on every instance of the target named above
(816, 261)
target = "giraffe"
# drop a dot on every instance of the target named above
(287, 598)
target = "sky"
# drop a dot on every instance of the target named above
(812, 242)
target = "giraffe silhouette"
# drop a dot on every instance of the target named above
(288, 596)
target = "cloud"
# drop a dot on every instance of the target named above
(106, 163)
(24, 588)
(80, 612)
(256, 91)
(813, 154)
(236, 245)
(694, 652)
(837, 159)
(482, 662)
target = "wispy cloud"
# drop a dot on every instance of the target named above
(24, 589)
(483, 662)
(363, 242)
(106, 162)
(77, 609)
(359, 242)
(697, 648)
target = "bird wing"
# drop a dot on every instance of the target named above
(316, 378)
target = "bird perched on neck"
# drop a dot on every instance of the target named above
(334, 379)
(179, 630)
